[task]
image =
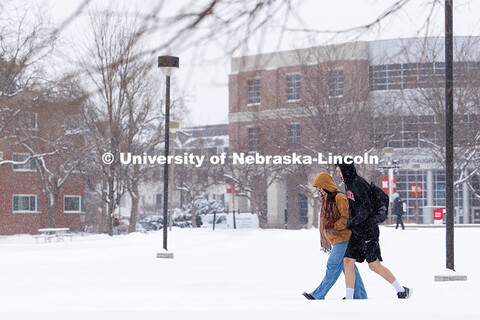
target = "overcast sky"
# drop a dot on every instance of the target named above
(205, 81)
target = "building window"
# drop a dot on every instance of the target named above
(335, 82)
(123, 201)
(220, 198)
(253, 138)
(28, 120)
(406, 132)
(253, 86)
(293, 87)
(303, 208)
(73, 204)
(25, 203)
(420, 75)
(294, 133)
(405, 179)
(20, 157)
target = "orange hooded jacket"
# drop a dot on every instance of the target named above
(340, 233)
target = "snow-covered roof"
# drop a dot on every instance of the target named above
(203, 137)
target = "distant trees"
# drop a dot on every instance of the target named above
(117, 98)
(111, 98)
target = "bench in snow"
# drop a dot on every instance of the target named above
(60, 236)
(46, 237)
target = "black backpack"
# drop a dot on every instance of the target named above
(380, 203)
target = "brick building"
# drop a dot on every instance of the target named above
(353, 98)
(23, 205)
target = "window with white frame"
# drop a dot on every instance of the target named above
(21, 157)
(25, 203)
(253, 87)
(253, 138)
(294, 134)
(73, 204)
(293, 87)
(335, 82)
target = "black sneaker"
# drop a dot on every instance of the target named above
(308, 296)
(405, 294)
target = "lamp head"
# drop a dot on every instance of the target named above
(168, 64)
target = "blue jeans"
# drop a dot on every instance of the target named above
(334, 268)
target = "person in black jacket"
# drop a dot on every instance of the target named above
(397, 210)
(364, 241)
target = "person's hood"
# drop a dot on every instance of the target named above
(325, 181)
(348, 172)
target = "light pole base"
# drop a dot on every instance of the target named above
(450, 275)
(165, 255)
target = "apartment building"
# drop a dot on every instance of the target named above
(31, 128)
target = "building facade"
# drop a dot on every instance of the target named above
(27, 131)
(360, 97)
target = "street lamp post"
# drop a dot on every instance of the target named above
(416, 167)
(174, 126)
(449, 151)
(167, 64)
(449, 169)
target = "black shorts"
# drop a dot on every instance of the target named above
(363, 249)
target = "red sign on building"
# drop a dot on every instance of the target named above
(235, 186)
(385, 184)
(438, 215)
(416, 189)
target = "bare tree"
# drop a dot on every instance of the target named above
(25, 43)
(143, 131)
(26, 40)
(235, 23)
(109, 64)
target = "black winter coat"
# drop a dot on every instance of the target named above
(397, 207)
(361, 220)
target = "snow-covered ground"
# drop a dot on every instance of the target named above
(228, 274)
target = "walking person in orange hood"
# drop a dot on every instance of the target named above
(334, 236)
